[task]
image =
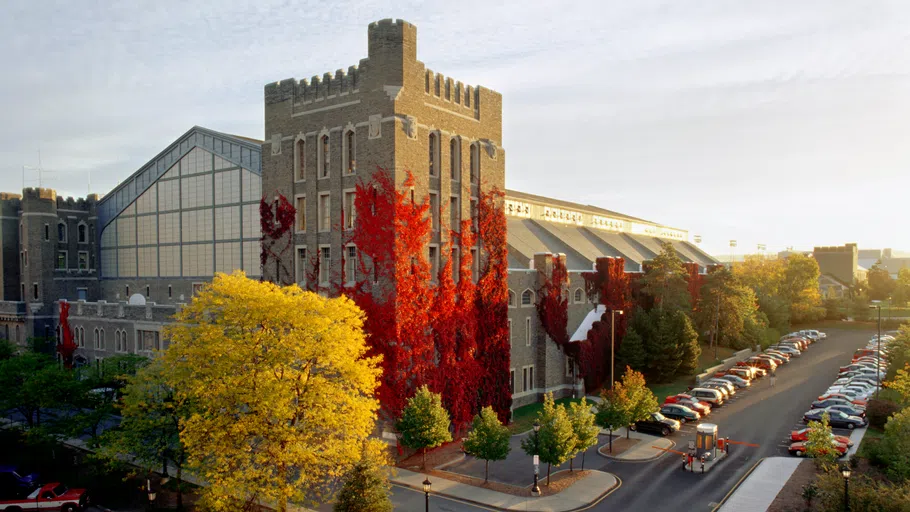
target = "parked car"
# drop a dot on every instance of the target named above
(778, 356)
(774, 362)
(744, 372)
(789, 350)
(15, 483)
(765, 364)
(844, 397)
(802, 434)
(799, 449)
(848, 410)
(712, 396)
(679, 412)
(53, 496)
(811, 334)
(737, 381)
(836, 419)
(703, 408)
(656, 424)
(722, 387)
(754, 368)
(828, 402)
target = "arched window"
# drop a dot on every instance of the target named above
(61, 232)
(101, 339)
(527, 298)
(300, 160)
(117, 344)
(579, 296)
(95, 342)
(475, 162)
(433, 150)
(455, 158)
(324, 155)
(511, 299)
(350, 158)
(82, 233)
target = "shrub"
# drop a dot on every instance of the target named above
(878, 411)
(866, 494)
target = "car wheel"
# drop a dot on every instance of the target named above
(665, 431)
(68, 508)
(682, 420)
(851, 426)
(632, 427)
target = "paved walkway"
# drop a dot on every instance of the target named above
(758, 490)
(580, 495)
(642, 451)
(857, 437)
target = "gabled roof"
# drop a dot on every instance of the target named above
(242, 151)
(568, 204)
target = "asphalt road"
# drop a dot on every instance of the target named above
(762, 415)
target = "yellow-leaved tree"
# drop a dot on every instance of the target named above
(281, 387)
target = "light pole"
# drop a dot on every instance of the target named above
(878, 356)
(613, 342)
(426, 491)
(846, 472)
(535, 491)
(732, 257)
(151, 493)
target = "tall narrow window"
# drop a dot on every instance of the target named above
(434, 210)
(127, 291)
(528, 331)
(454, 159)
(474, 219)
(475, 162)
(47, 232)
(475, 265)
(324, 152)
(349, 213)
(61, 232)
(434, 263)
(148, 291)
(454, 214)
(511, 381)
(325, 212)
(301, 213)
(324, 264)
(35, 291)
(350, 265)
(61, 260)
(455, 264)
(301, 266)
(350, 161)
(300, 156)
(433, 150)
(82, 233)
(170, 291)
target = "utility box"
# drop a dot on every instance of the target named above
(706, 441)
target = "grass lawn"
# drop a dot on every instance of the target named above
(662, 391)
(524, 416)
(707, 359)
(871, 434)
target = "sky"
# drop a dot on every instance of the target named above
(775, 122)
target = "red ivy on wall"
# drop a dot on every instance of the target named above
(553, 302)
(66, 346)
(277, 237)
(608, 285)
(694, 279)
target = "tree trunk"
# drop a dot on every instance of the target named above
(179, 487)
(548, 474)
(583, 459)
(424, 459)
(486, 471)
(627, 431)
(611, 440)
(572, 465)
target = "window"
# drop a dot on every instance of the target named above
(325, 261)
(35, 291)
(82, 233)
(527, 298)
(127, 291)
(61, 260)
(350, 162)
(147, 341)
(434, 149)
(148, 292)
(22, 291)
(475, 162)
(300, 160)
(61, 232)
(455, 214)
(579, 296)
(350, 265)
(324, 156)
(301, 267)
(197, 287)
(434, 263)
(474, 219)
(528, 331)
(47, 232)
(349, 212)
(99, 339)
(118, 342)
(475, 265)
(170, 291)
(83, 260)
(524, 379)
(81, 293)
(301, 214)
(456, 267)
(23, 257)
(570, 367)
(511, 299)
(511, 380)
(530, 378)
(455, 159)
(434, 209)
(325, 212)
(510, 332)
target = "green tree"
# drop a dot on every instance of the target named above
(31, 383)
(584, 427)
(901, 292)
(281, 388)
(664, 280)
(642, 401)
(801, 288)
(818, 444)
(895, 445)
(664, 352)
(632, 350)
(901, 384)
(7, 349)
(688, 343)
(424, 422)
(881, 286)
(899, 351)
(366, 488)
(149, 431)
(613, 411)
(556, 439)
(488, 439)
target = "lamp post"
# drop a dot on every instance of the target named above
(151, 493)
(426, 491)
(846, 472)
(613, 342)
(535, 491)
(878, 356)
(732, 257)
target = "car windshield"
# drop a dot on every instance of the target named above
(658, 416)
(60, 490)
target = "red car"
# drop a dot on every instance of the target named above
(799, 449)
(843, 396)
(762, 362)
(760, 372)
(802, 435)
(691, 402)
(53, 496)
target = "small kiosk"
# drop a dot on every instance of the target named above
(703, 452)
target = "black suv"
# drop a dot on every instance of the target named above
(657, 424)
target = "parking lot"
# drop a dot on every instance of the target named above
(761, 414)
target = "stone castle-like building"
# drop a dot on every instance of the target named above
(130, 258)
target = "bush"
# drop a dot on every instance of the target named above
(878, 411)
(866, 494)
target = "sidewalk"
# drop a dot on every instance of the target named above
(582, 494)
(857, 437)
(761, 486)
(644, 450)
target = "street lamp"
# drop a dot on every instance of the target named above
(732, 257)
(846, 472)
(878, 375)
(426, 491)
(151, 493)
(613, 342)
(536, 489)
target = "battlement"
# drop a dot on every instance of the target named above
(392, 37)
(85, 204)
(316, 88)
(33, 193)
(851, 248)
(451, 90)
(10, 196)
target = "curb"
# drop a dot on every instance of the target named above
(735, 487)
(649, 459)
(487, 506)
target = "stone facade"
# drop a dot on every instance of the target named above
(840, 262)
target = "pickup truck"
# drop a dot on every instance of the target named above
(54, 496)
